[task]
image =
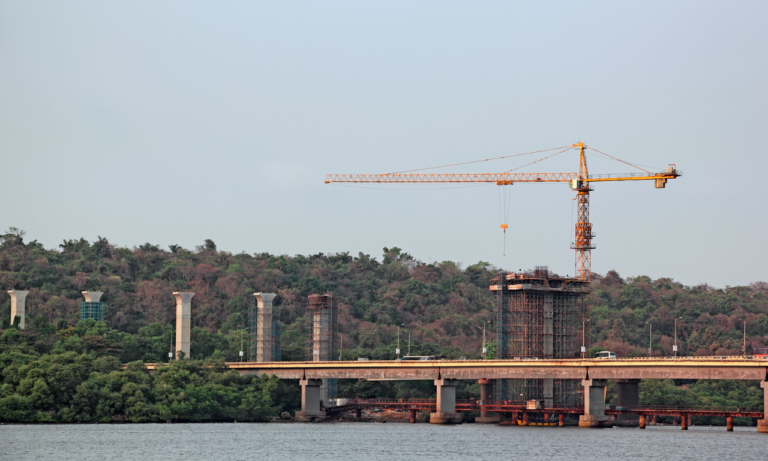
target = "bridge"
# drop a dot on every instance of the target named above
(593, 374)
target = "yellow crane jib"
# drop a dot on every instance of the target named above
(580, 182)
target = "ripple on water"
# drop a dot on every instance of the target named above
(371, 441)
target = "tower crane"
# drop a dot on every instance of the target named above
(579, 182)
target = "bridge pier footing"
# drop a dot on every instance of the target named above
(627, 395)
(729, 424)
(594, 404)
(310, 401)
(413, 416)
(762, 424)
(486, 417)
(446, 403)
(641, 421)
(684, 422)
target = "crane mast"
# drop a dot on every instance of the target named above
(583, 234)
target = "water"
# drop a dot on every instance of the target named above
(373, 441)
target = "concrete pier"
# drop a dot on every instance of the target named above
(729, 424)
(413, 416)
(627, 396)
(264, 328)
(446, 403)
(641, 421)
(594, 404)
(762, 424)
(18, 303)
(183, 322)
(684, 422)
(310, 401)
(486, 417)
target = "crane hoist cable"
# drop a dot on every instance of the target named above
(505, 203)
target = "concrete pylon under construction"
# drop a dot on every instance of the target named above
(265, 327)
(92, 308)
(18, 298)
(539, 315)
(323, 324)
(183, 321)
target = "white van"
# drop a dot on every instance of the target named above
(605, 355)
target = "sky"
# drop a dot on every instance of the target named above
(172, 122)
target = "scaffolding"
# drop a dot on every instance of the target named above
(539, 316)
(322, 333)
(264, 333)
(93, 311)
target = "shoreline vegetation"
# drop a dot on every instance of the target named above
(61, 369)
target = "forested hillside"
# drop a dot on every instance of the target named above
(442, 305)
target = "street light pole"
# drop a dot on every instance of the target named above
(583, 343)
(744, 345)
(674, 348)
(398, 341)
(650, 339)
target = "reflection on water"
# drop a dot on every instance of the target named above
(373, 441)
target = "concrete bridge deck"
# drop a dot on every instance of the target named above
(642, 368)
(593, 374)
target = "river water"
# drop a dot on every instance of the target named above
(373, 441)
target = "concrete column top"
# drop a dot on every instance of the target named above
(594, 382)
(92, 296)
(18, 295)
(183, 296)
(483, 381)
(264, 298)
(451, 382)
(311, 382)
(764, 385)
(627, 380)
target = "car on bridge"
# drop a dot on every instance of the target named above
(605, 355)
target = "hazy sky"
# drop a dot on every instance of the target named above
(173, 122)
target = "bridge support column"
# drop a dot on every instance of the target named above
(684, 422)
(525, 418)
(413, 416)
(18, 298)
(594, 404)
(183, 321)
(641, 421)
(561, 420)
(265, 328)
(446, 403)
(762, 424)
(729, 424)
(486, 390)
(310, 401)
(627, 396)
(358, 413)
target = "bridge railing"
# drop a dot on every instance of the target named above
(734, 408)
